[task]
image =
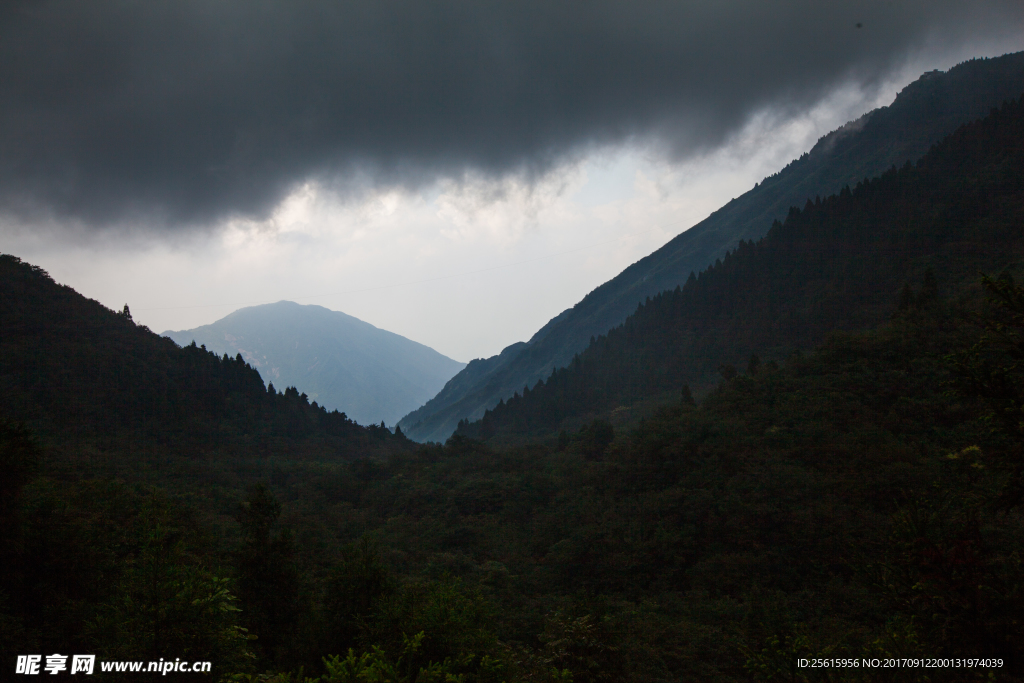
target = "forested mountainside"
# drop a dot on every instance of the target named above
(921, 115)
(858, 501)
(341, 362)
(839, 263)
(78, 373)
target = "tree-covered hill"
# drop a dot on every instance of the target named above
(857, 501)
(78, 373)
(844, 503)
(921, 115)
(839, 263)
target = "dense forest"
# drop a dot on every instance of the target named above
(839, 263)
(852, 489)
(861, 500)
(923, 113)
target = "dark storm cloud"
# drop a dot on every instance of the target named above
(183, 112)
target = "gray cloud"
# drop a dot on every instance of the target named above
(186, 111)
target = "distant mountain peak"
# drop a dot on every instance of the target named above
(338, 360)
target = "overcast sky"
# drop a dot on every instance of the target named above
(457, 172)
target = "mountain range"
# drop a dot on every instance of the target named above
(339, 361)
(849, 481)
(845, 263)
(921, 115)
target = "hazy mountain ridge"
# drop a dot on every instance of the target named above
(339, 361)
(84, 377)
(837, 264)
(922, 114)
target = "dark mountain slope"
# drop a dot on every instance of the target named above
(837, 264)
(80, 374)
(922, 114)
(342, 362)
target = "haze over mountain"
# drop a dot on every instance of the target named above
(922, 114)
(840, 263)
(339, 361)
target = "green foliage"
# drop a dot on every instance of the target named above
(452, 626)
(992, 369)
(375, 666)
(368, 666)
(166, 604)
(777, 659)
(119, 571)
(579, 646)
(166, 608)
